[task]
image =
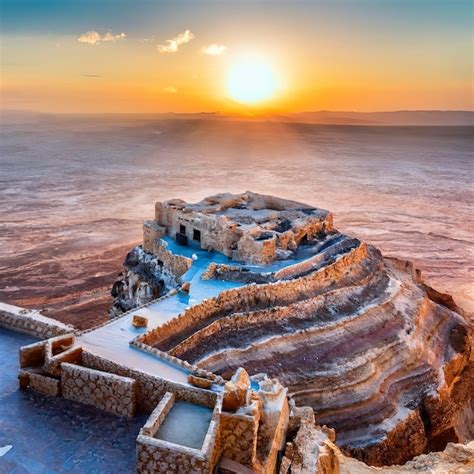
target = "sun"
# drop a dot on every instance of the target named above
(251, 80)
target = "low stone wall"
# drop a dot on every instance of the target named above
(53, 361)
(156, 455)
(158, 415)
(50, 354)
(301, 268)
(40, 383)
(301, 309)
(293, 271)
(150, 389)
(31, 322)
(176, 361)
(222, 271)
(32, 355)
(177, 264)
(251, 297)
(103, 390)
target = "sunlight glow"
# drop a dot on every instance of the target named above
(251, 80)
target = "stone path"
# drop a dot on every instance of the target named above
(112, 340)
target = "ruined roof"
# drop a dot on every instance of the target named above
(251, 208)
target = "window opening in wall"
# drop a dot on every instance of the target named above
(197, 235)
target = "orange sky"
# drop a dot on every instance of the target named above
(363, 56)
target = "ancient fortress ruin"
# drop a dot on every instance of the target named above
(246, 322)
(249, 228)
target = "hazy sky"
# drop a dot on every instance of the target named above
(179, 56)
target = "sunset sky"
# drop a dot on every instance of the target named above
(202, 56)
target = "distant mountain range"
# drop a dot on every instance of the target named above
(401, 117)
(323, 117)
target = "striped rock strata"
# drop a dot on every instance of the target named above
(376, 353)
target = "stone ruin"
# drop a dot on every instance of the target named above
(330, 331)
(248, 227)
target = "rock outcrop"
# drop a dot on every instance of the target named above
(379, 356)
(142, 280)
(313, 451)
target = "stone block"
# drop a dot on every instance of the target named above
(139, 321)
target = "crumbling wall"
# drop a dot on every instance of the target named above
(175, 360)
(221, 271)
(247, 227)
(252, 250)
(103, 390)
(301, 268)
(177, 264)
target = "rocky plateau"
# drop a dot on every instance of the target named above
(379, 355)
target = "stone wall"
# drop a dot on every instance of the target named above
(178, 265)
(238, 435)
(176, 361)
(103, 390)
(31, 322)
(273, 423)
(221, 271)
(150, 389)
(158, 415)
(301, 268)
(40, 383)
(50, 354)
(253, 250)
(249, 297)
(156, 455)
(151, 232)
(301, 309)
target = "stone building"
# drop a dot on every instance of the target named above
(247, 227)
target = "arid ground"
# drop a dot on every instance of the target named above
(75, 190)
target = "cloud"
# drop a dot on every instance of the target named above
(170, 90)
(151, 39)
(110, 37)
(214, 49)
(91, 75)
(172, 45)
(93, 37)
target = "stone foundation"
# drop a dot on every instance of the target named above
(157, 455)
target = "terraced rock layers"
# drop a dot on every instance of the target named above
(377, 354)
